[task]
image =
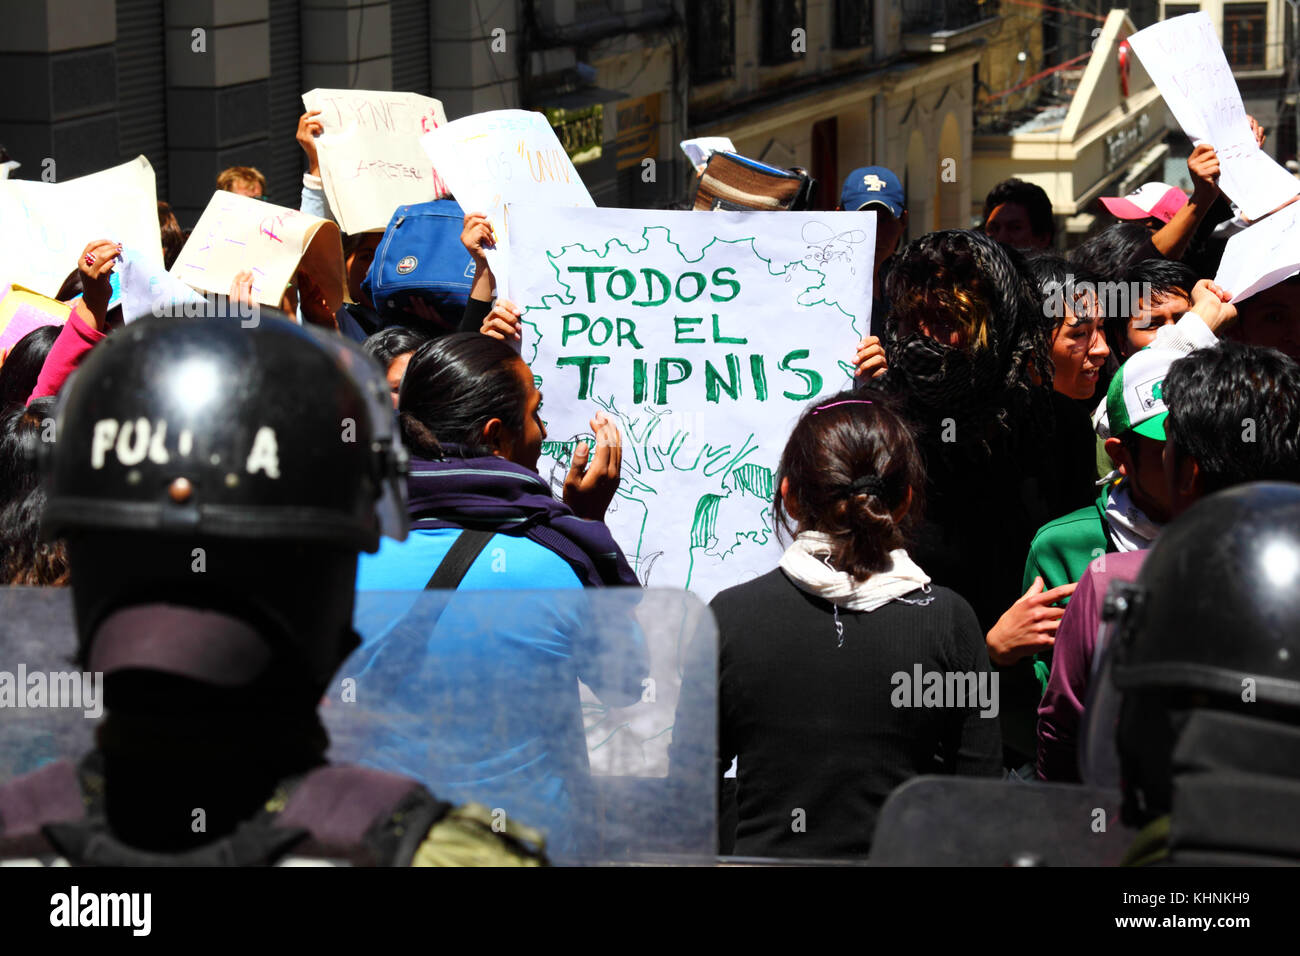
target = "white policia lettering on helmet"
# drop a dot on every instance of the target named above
(132, 441)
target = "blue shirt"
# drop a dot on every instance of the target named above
(507, 563)
(475, 697)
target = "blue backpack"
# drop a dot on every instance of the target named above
(421, 255)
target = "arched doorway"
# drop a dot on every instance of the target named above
(919, 184)
(949, 176)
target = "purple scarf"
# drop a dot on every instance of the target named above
(493, 494)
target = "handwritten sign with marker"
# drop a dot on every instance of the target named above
(504, 156)
(46, 225)
(1184, 58)
(1262, 255)
(237, 234)
(704, 337)
(371, 161)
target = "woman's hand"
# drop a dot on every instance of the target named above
(241, 288)
(1210, 302)
(1257, 130)
(314, 303)
(1203, 164)
(308, 129)
(476, 234)
(593, 479)
(1028, 625)
(95, 265)
(870, 358)
(503, 321)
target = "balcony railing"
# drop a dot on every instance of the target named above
(941, 16)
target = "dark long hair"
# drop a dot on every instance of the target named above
(22, 366)
(387, 344)
(26, 557)
(850, 463)
(169, 229)
(957, 278)
(1115, 250)
(454, 385)
(21, 429)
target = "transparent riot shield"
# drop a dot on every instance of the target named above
(48, 708)
(560, 710)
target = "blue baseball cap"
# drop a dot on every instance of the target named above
(873, 185)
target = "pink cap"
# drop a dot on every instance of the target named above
(1154, 199)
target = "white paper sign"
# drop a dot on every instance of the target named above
(1261, 255)
(237, 234)
(704, 337)
(699, 150)
(505, 156)
(147, 288)
(44, 226)
(370, 157)
(1186, 62)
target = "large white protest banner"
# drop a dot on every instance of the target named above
(704, 337)
(46, 225)
(504, 156)
(1262, 255)
(237, 234)
(370, 157)
(1184, 58)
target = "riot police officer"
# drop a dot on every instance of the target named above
(1207, 659)
(214, 484)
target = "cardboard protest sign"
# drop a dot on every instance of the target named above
(1184, 58)
(1262, 255)
(370, 157)
(504, 156)
(704, 337)
(46, 225)
(23, 311)
(236, 233)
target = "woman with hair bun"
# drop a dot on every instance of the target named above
(810, 697)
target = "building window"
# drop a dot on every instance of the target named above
(780, 19)
(853, 23)
(939, 16)
(1244, 26)
(142, 85)
(1143, 13)
(1178, 9)
(711, 39)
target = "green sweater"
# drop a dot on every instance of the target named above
(1061, 552)
(1061, 549)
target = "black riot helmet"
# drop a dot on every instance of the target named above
(1212, 621)
(203, 426)
(206, 472)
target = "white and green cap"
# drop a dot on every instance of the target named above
(1135, 400)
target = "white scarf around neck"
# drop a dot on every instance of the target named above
(1130, 528)
(805, 562)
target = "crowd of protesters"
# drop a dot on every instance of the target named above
(947, 510)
